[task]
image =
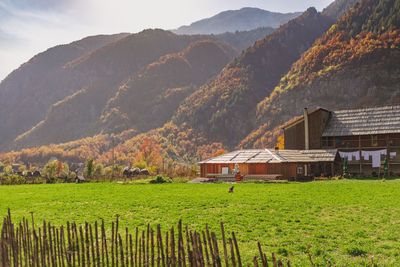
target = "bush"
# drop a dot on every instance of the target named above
(12, 180)
(283, 252)
(356, 251)
(160, 180)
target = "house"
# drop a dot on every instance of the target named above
(264, 164)
(367, 138)
(16, 168)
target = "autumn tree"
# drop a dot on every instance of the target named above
(89, 168)
(280, 142)
(98, 170)
(2, 166)
(149, 155)
(50, 171)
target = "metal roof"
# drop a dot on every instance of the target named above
(320, 155)
(378, 120)
(274, 156)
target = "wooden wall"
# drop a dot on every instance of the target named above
(391, 142)
(287, 170)
(294, 135)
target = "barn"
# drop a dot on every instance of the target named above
(367, 138)
(271, 164)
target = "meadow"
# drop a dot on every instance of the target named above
(345, 222)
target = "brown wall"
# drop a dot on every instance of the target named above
(287, 170)
(317, 124)
(391, 142)
(294, 135)
(257, 169)
(208, 168)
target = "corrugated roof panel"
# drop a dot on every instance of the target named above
(274, 156)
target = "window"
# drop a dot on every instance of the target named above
(327, 142)
(300, 170)
(338, 141)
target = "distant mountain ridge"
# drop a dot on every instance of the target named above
(28, 92)
(244, 19)
(73, 83)
(106, 68)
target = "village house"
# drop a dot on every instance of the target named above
(271, 164)
(366, 138)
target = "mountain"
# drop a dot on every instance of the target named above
(224, 108)
(337, 8)
(28, 92)
(150, 98)
(244, 39)
(237, 20)
(355, 64)
(105, 69)
(313, 60)
(60, 94)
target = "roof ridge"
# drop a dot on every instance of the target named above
(369, 108)
(273, 155)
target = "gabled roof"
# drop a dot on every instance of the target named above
(378, 120)
(274, 156)
(300, 118)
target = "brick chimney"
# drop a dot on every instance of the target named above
(306, 130)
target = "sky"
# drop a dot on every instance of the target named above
(28, 27)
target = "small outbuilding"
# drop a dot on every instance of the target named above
(269, 164)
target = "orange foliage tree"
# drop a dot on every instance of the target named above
(281, 142)
(149, 155)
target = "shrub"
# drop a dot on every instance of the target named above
(160, 180)
(283, 252)
(12, 180)
(356, 251)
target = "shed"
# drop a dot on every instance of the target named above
(271, 164)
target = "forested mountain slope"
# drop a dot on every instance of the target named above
(242, 40)
(337, 8)
(223, 108)
(60, 94)
(106, 68)
(28, 92)
(149, 99)
(355, 64)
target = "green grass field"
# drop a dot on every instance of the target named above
(346, 222)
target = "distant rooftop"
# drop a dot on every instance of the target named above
(378, 120)
(274, 156)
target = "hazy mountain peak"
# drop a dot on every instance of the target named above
(247, 18)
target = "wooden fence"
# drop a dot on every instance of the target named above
(24, 244)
